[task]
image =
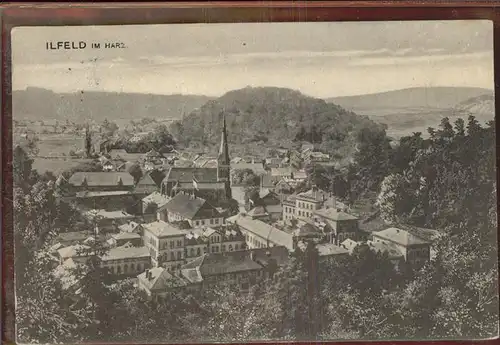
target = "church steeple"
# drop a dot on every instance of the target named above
(223, 168)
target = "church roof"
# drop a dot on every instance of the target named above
(190, 207)
(179, 174)
(101, 178)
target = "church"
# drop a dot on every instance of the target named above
(211, 184)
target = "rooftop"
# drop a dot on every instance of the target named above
(119, 253)
(108, 214)
(223, 263)
(159, 279)
(162, 229)
(157, 198)
(129, 227)
(96, 179)
(126, 236)
(190, 207)
(314, 194)
(179, 174)
(328, 249)
(263, 230)
(399, 236)
(389, 248)
(334, 214)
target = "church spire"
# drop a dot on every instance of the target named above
(224, 150)
(223, 168)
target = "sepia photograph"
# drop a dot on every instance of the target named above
(245, 182)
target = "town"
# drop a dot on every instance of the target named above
(190, 225)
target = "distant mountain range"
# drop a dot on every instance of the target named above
(41, 104)
(415, 109)
(417, 97)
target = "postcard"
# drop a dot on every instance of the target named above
(242, 182)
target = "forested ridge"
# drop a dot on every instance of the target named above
(272, 116)
(446, 181)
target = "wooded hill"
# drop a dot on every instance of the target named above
(275, 116)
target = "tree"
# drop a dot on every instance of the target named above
(22, 167)
(136, 172)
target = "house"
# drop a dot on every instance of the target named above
(240, 269)
(126, 261)
(157, 282)
(267, 206)
(329, 252)
(414, 250)
(79, 253)
(122, 238)
(196, 211)
(165, 243)
(73, 237)
(108, 221)
(154, 201)
(349, 245)
(146, 185)
(257, 168)
(111, 200)
(101, 181)
(203, 182)
(340, 225)
(131, 227)
(285, 173)
(303, 204)
(261, 235)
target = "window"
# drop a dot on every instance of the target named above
(172, 256)
(213, 249)
(132, 267)
(118, 270)
(172, 244)
(192, 251)
(235, 247)
(197, 223)
(198, 251)
(179, 255)
(217, 221)
(223, 247)
(211, 221)
(203, 222)
(230, 248)
(125, 268)
(139, 267)
(179, 243)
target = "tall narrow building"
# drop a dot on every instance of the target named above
(223, 168)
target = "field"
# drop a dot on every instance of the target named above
(58, 144)
(56, 165)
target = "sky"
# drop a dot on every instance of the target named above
(321, 59)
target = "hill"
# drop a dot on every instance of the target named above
(415, 109)
(417, 97)
(41, 104)
(481, 106)
(275, 116)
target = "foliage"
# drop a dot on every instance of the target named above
(136, 172)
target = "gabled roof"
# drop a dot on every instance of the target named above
(314, 194)
(334, 214)
(179, 174)
(72, 251)
(328, 249)
(190, 207)
(103, 179)
(157, 176)
(119, 253)
(162, 229)
(389, 248)
(126, 236)
(157, 198)
(399, 236)
(146, 180)
(349, 244)
(129, 227)
(223, 263)
(265, 231)
(160, 279)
